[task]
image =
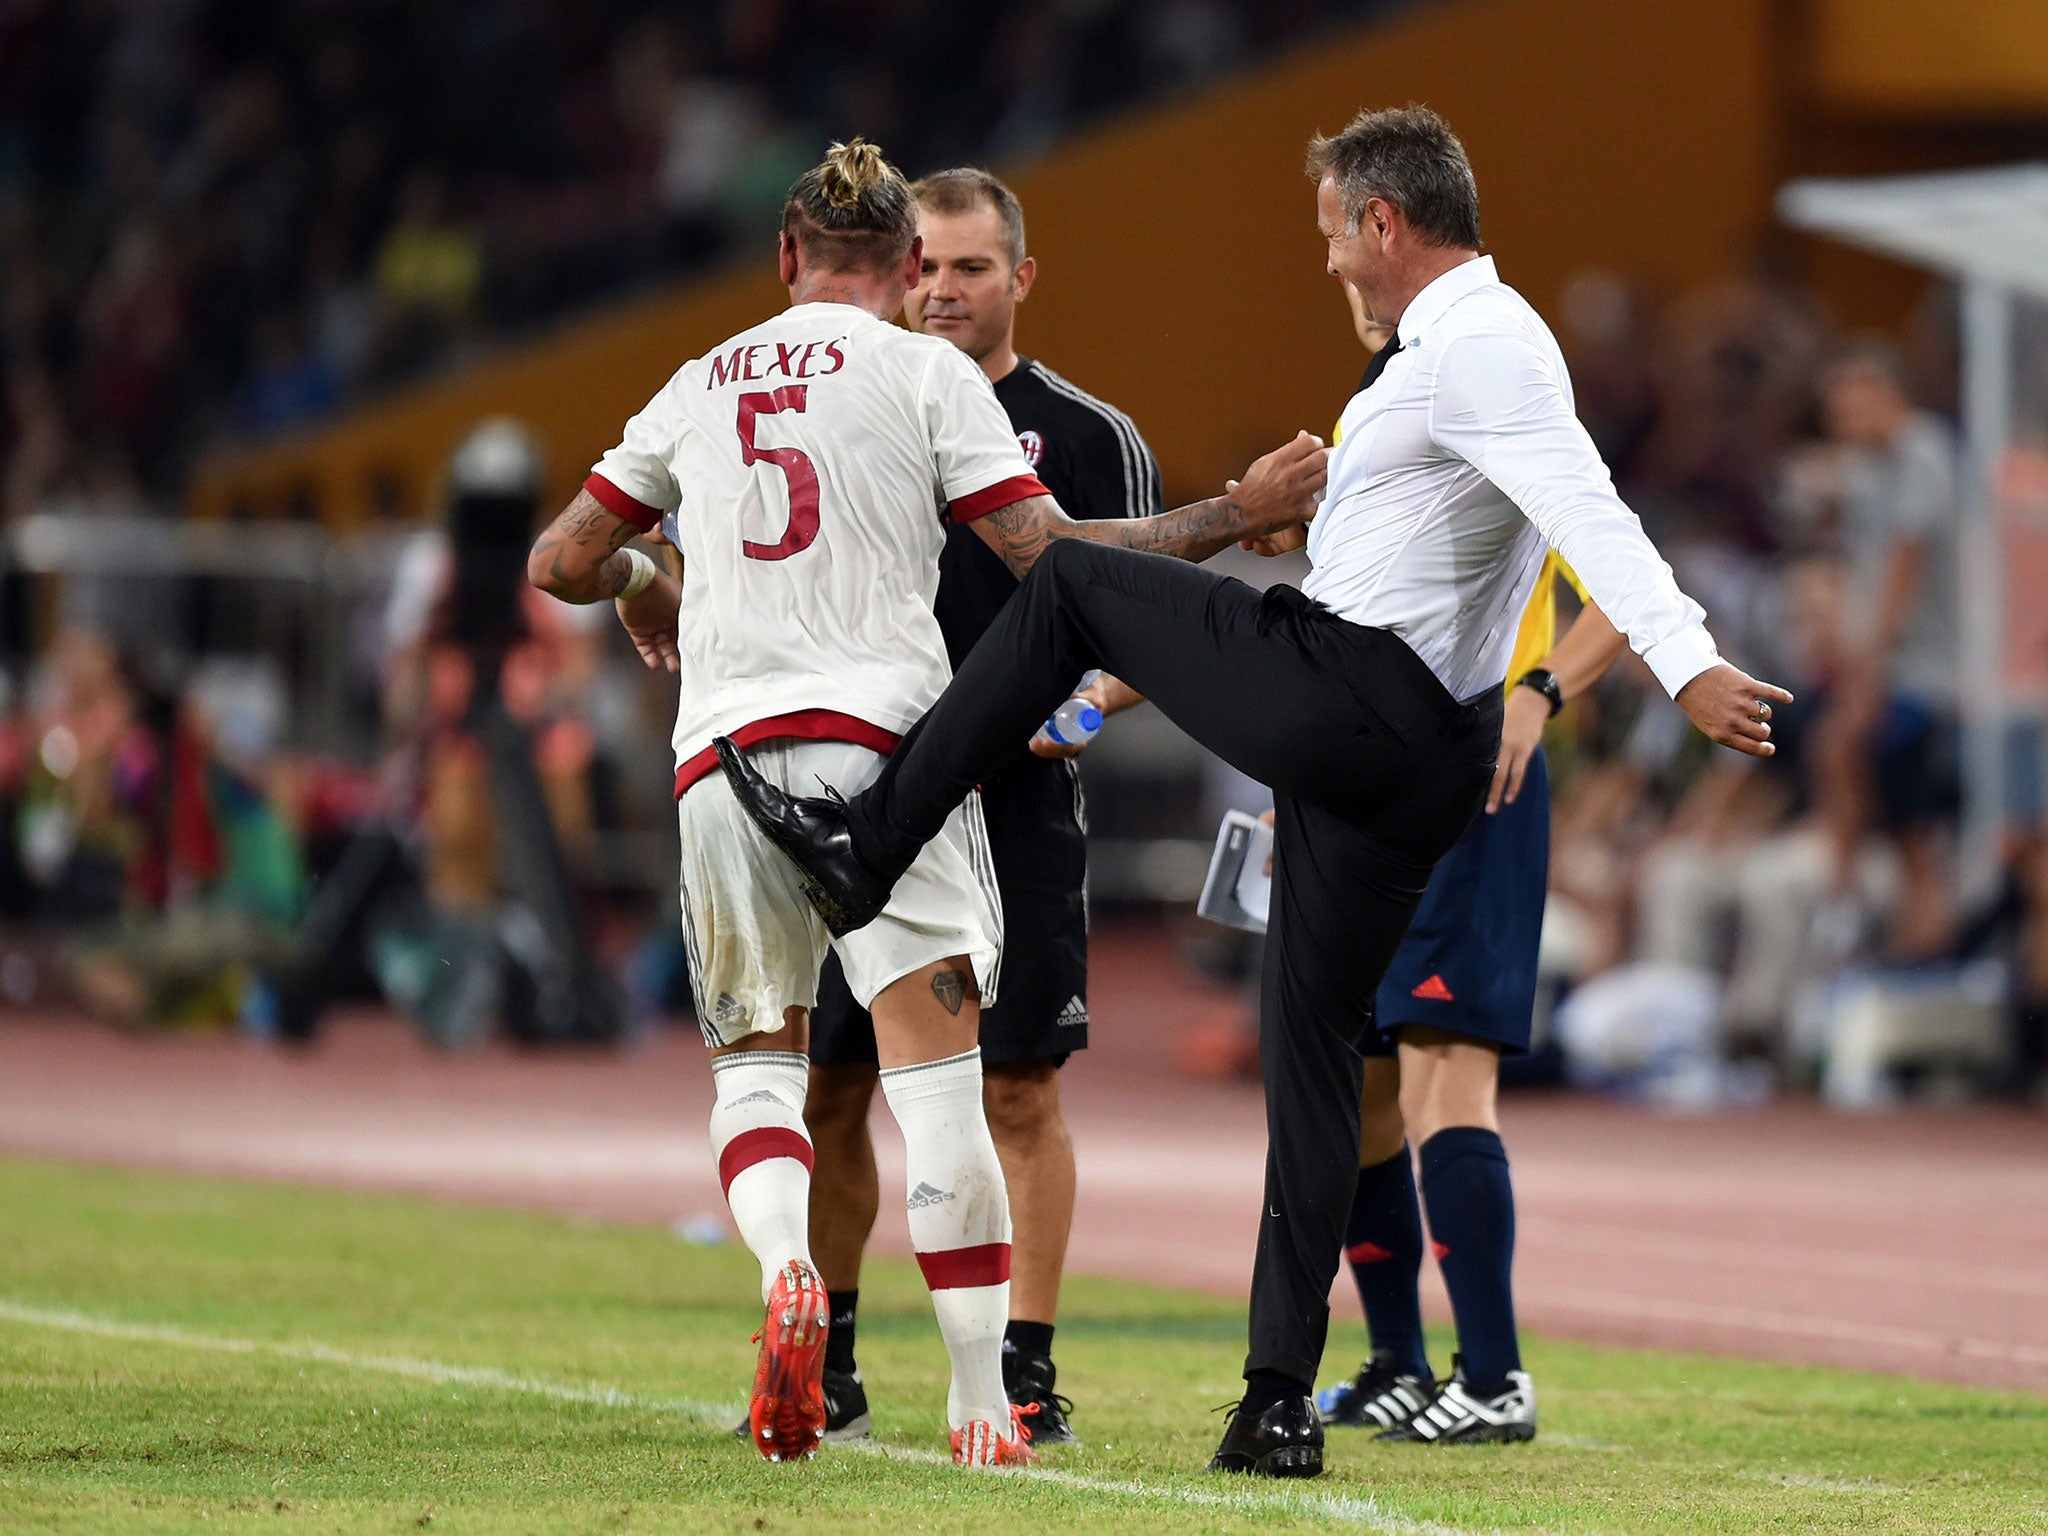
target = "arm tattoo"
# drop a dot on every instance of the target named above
(614, 574)
(1020, 532)
(577, 557)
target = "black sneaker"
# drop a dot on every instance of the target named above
(813, 834)
(1455, 1416)
(846, 1409)
(1381, 1396)
(1028, 1379)
(1284, 1441)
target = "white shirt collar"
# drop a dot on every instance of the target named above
(1428, 306)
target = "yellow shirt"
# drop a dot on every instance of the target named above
(1537, 636)
(1538, 633)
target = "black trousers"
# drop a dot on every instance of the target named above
(1376, 771)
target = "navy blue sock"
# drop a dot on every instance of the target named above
(1472, 1220)
(1383, 1244)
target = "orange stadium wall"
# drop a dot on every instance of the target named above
(1181, 273)
(1932, 58)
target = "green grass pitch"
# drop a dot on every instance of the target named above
(195, 1355)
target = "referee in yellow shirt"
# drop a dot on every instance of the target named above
(1460, 993)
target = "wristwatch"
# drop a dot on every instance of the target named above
(1544, 683)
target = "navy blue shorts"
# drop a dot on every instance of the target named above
(1468, 963)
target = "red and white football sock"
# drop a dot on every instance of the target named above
(764, 1153)
(959, 1213)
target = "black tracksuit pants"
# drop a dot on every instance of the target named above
(1375, 771)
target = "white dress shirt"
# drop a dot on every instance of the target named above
(1456, 466)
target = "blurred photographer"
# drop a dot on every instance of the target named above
(459, 900)
(1886, 747)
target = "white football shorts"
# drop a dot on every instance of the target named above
(756, 945)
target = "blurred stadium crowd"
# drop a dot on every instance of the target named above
(1807, 487)
(219, 217)
(224, 216)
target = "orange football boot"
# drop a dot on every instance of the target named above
(786, 1417)
(978, 1445)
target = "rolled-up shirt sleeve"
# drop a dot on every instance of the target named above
(1500, 406)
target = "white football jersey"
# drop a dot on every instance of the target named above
(806, 468)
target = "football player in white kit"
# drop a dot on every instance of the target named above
(804, 469)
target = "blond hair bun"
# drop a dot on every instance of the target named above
(851, 211)
(850, 173)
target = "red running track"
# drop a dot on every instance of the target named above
(1915, 1242)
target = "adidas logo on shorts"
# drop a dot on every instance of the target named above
(727, 1010)
(1074, 1015)
(925, 1195)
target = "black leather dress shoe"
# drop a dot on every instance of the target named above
(1284, 1441)
(813, 834)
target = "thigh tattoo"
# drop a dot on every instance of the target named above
(953, 988)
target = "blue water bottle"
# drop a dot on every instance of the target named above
(1074, 723)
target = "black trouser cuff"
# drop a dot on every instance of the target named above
(1262, 1389)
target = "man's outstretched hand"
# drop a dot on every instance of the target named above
(1733, 708)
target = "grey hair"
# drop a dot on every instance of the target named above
(1409, 157)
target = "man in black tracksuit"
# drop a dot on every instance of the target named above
(1093, 461)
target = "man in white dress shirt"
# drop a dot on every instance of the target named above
(1370, 701)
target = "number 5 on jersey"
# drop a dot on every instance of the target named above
(796, 468)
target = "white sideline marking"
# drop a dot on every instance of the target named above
(1362, 1512)
(435, 1371)
(1577, 1442)
(1336, 1506)
(1815, 1481)
(1798, 1324)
